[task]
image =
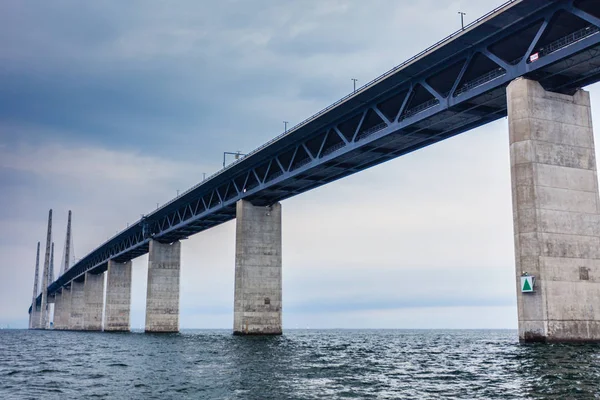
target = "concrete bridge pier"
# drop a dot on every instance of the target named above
(162, 298)
(77, 306)
(257, 299)
(556, 211)
(57, 310)
(50, 312)
(65, 308)
(118, 297)
(93, 289)
(36, 315)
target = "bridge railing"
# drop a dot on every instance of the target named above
(567, 40)
(485, 78)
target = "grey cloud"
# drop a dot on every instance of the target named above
(197, 71)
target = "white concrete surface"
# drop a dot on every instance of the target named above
(556, 213)
(65, 314)
(118, 297)
(258, 294)
(93, 289)
(162, 298)
(77, 306)
(58, 311)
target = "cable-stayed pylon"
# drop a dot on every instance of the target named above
(68, 251)
(51, 269)
(36, 279)
(44, 308)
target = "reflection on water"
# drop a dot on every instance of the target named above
(385, 364)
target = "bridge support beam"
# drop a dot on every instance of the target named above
(93, 289)
(65, 309)
(162, 299)
(257, 299)
(36, 316)
(556, 211)
(77, 306)
(118, 297)
(57, 310)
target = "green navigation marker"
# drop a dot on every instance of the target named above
(527, 284)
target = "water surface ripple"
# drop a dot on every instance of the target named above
(301, 364)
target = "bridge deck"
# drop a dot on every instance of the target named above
(454, 86)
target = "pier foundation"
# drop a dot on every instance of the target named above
(556, 213)
(258, 294)
(118, 297)
(162, 299)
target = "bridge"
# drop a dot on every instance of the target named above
(527, 59)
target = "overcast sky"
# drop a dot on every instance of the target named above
(107, 108)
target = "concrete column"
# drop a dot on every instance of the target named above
(118, 297)
(77, 306)
(65, 314)
(162, 300)
(51, 306)
(556, 211)
(57, 311)
(93, 289)
(257, 303)
(44, 320)
(35, 316)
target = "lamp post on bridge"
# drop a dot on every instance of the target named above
(462, 20)
(285, 126)
(354, 80)
(238, 154)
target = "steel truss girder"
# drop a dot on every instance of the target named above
(417, 129)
